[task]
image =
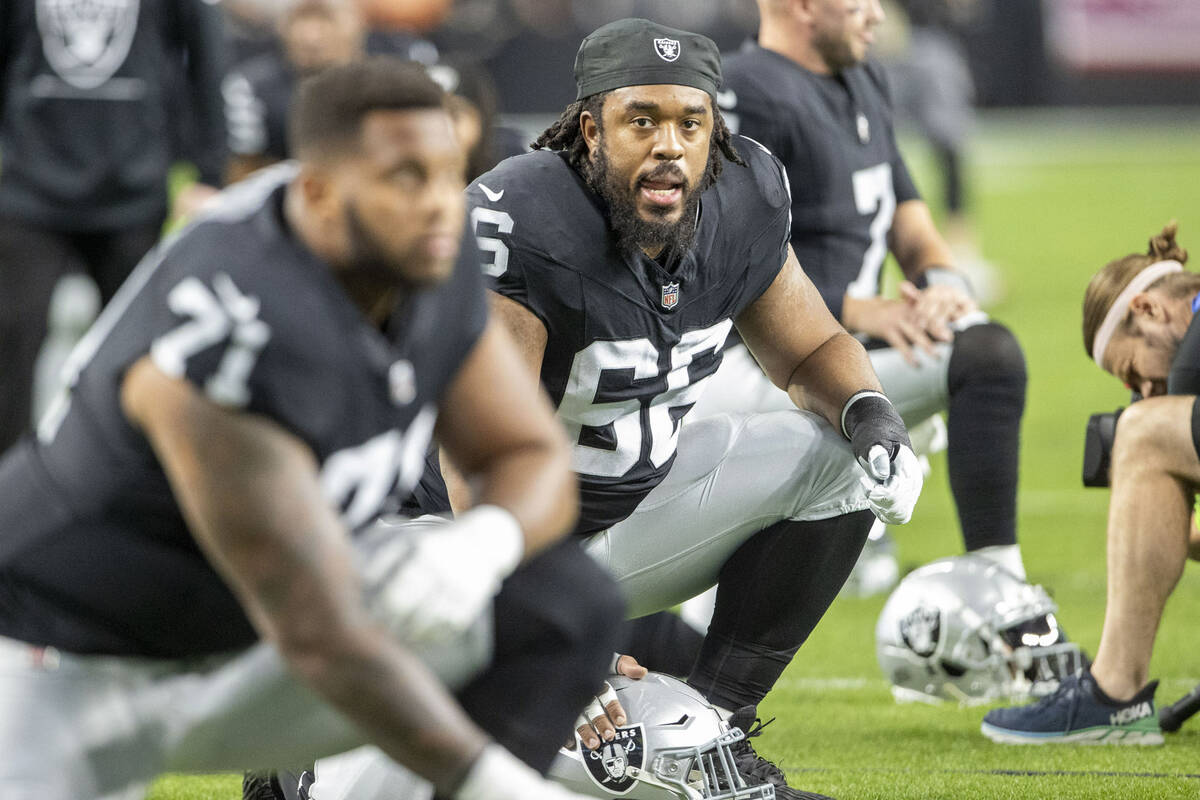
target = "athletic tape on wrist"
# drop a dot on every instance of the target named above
(1120, 307)
(944, 276)
(854, 398)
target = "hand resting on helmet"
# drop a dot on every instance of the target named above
(598, 722)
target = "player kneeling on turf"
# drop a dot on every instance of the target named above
(1140, 325)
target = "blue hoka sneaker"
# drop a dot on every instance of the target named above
(1078, 712)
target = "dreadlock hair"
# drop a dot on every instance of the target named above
(566, 134)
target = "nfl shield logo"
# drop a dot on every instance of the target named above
(670, 295)
(667, 49)
(609, 765)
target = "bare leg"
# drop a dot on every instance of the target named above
(1154, 474)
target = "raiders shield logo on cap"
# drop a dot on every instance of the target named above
(667, 49)
(609, 765)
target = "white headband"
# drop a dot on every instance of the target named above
(1116, 312)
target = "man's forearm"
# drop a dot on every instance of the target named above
(824, 381)
(398, 704)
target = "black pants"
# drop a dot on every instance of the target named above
(558, 619)
(32, 259)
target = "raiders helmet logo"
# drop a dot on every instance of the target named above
(86, 41)
(609, 765)
(670, 295)
(920, 630)
(667, 49)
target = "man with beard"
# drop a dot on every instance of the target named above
(192, 578)
(622, 253)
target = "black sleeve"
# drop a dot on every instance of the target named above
(494, 226)
(203, 37)
(768, 253)
(1184, 377)
(902, 182)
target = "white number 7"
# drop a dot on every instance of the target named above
(873, 194)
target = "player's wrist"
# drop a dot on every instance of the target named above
(940, 275)
(861, 405)
(869, 419)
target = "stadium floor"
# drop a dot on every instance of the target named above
(1056, 196)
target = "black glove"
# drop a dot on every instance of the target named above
(870, 419)
(880, 442)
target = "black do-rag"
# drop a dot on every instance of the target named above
(637, 52)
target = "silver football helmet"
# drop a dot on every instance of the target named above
(966, 629)
(675, 747)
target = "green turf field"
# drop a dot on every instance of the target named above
(1055, 198)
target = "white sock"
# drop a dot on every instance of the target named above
(1006, 555)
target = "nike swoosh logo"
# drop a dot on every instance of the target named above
(491, 195)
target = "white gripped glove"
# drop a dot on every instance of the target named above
(498, 775)
(432, 582)
(880, 443)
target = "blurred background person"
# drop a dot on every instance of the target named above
(472, 103)
(933, 92)
(315, 34)
(1140, 326)
(86, 123)
(312, 35)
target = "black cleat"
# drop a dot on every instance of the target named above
(753, 767)
(260, 786)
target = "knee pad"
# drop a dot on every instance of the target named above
(988, 351)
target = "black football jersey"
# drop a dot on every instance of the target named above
(835, 135)
(629, 342)
(94, 553)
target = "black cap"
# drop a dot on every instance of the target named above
(636, 52)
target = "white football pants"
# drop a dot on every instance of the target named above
(103, 727)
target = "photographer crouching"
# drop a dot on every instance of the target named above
(1139, 325)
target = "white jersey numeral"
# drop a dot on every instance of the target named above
(873, 194)
(360, 479)
(227, 314)
(581, 405)
(488, 243)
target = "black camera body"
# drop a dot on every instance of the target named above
(1097, 447)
